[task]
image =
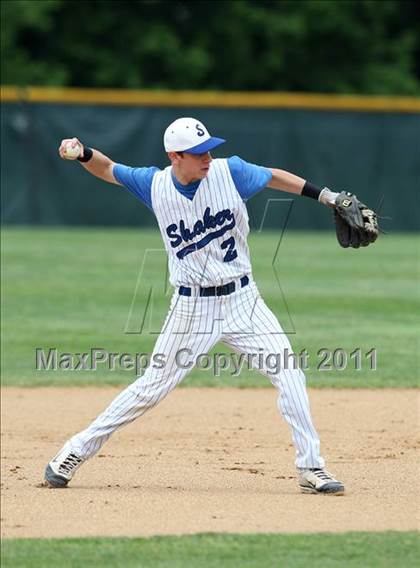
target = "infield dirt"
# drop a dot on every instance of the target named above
(209, 460)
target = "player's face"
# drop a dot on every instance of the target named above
(193, 167)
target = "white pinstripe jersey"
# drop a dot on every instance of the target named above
(205, 238)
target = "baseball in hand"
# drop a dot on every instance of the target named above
(72, 150)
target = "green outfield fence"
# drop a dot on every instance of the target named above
(368, 145)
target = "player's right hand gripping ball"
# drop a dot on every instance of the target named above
(70, 149)
(356, 225)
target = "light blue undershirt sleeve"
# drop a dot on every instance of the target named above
(248, 178)
(138, 181)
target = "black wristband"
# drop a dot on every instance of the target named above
(310, 190)
(87, 154)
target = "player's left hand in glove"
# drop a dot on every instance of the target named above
(356, 225)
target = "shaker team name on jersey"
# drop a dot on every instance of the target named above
(224, 219)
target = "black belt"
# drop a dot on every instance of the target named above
(224, 290)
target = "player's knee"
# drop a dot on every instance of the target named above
(152, 387)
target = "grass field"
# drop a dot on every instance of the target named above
(75, 289)
(348, 550)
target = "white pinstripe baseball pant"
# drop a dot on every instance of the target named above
(242, 321)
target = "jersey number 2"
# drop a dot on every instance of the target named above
(231, 253)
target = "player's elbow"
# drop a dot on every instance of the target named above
(107, 173)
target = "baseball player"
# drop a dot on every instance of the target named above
(199, 204)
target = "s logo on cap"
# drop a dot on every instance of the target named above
(200, 131)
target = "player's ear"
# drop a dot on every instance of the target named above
(174, 156)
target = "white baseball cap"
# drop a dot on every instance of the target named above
(189, 135)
